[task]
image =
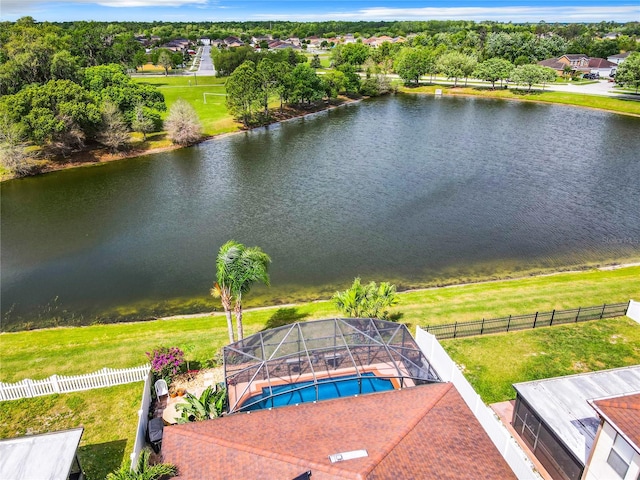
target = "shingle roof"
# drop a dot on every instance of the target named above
(552, 63)
(419, 432)
(624, 413)
(600, 63)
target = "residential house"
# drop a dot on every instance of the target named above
(602, 67)
(233, 42)
(616, 450)
(342, 398)
(51, 455)
(619, 58)
(256, 40)
(425, 431)
(554, 418)
(579, 63)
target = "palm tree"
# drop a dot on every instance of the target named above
(369, 301)
(237, 269)
(143, 470)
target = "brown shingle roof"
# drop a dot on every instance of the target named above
(419, 432)
(624, 413)
(600, 63)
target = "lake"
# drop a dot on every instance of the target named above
(417, 190)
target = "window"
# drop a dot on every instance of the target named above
(620, 456)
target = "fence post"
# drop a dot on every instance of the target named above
(455, 329)
(54, 383)
(509, 323)
(602, 313)
(553, 314)
(535, 320)
(578, 315)
(482, 327)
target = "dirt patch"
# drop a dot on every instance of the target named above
(197, 380)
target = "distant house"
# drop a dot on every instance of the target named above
(616, 452)
(554, 63)
(555, 419)
(579, 63)
(47, 456)
(576, 60)
(258, 39)
(619, 58)
(233, 42)
(602, 67)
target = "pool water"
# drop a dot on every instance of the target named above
(328, 388)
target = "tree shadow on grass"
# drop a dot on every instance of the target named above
(99, 459)
(284, 316)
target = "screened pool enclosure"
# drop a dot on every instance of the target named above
(322, 359)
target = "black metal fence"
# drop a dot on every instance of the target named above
(523, 322)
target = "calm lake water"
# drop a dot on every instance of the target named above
(411, 189)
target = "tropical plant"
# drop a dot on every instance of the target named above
(237, 269)
(366, 301)
(209, 405)
(143, 469)
(166, 362)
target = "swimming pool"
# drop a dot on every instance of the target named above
(328, 388)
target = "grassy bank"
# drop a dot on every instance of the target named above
(495, 362)
(611, 104)
(213, 114)
(108, 415)
(69, 351)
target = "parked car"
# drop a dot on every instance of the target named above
(591, 76)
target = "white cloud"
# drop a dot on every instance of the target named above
(145, 3)
(514, 14)
(25, 6)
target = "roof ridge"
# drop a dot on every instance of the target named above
(428, 406)
(308, 464)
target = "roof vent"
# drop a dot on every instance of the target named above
(340, 457)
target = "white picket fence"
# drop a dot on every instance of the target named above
(498, 433)
(107, 377)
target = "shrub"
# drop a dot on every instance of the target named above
(166, 361)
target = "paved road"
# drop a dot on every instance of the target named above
(206, 65)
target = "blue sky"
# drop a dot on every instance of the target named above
(306, 10)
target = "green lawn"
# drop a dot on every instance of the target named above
(213, 115)
(576, 99)
(108, 415)
(75, 350)
(494, 362)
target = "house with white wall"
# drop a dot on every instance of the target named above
(616, 450)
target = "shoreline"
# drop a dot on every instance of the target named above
(574, 270)
(524, 99)
(615, 266)
(99, 156)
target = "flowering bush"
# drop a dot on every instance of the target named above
(166, 361)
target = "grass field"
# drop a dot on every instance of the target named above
(108, 415)
(494, 362)
(576, 99)
(76, 350)
(213, 114)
